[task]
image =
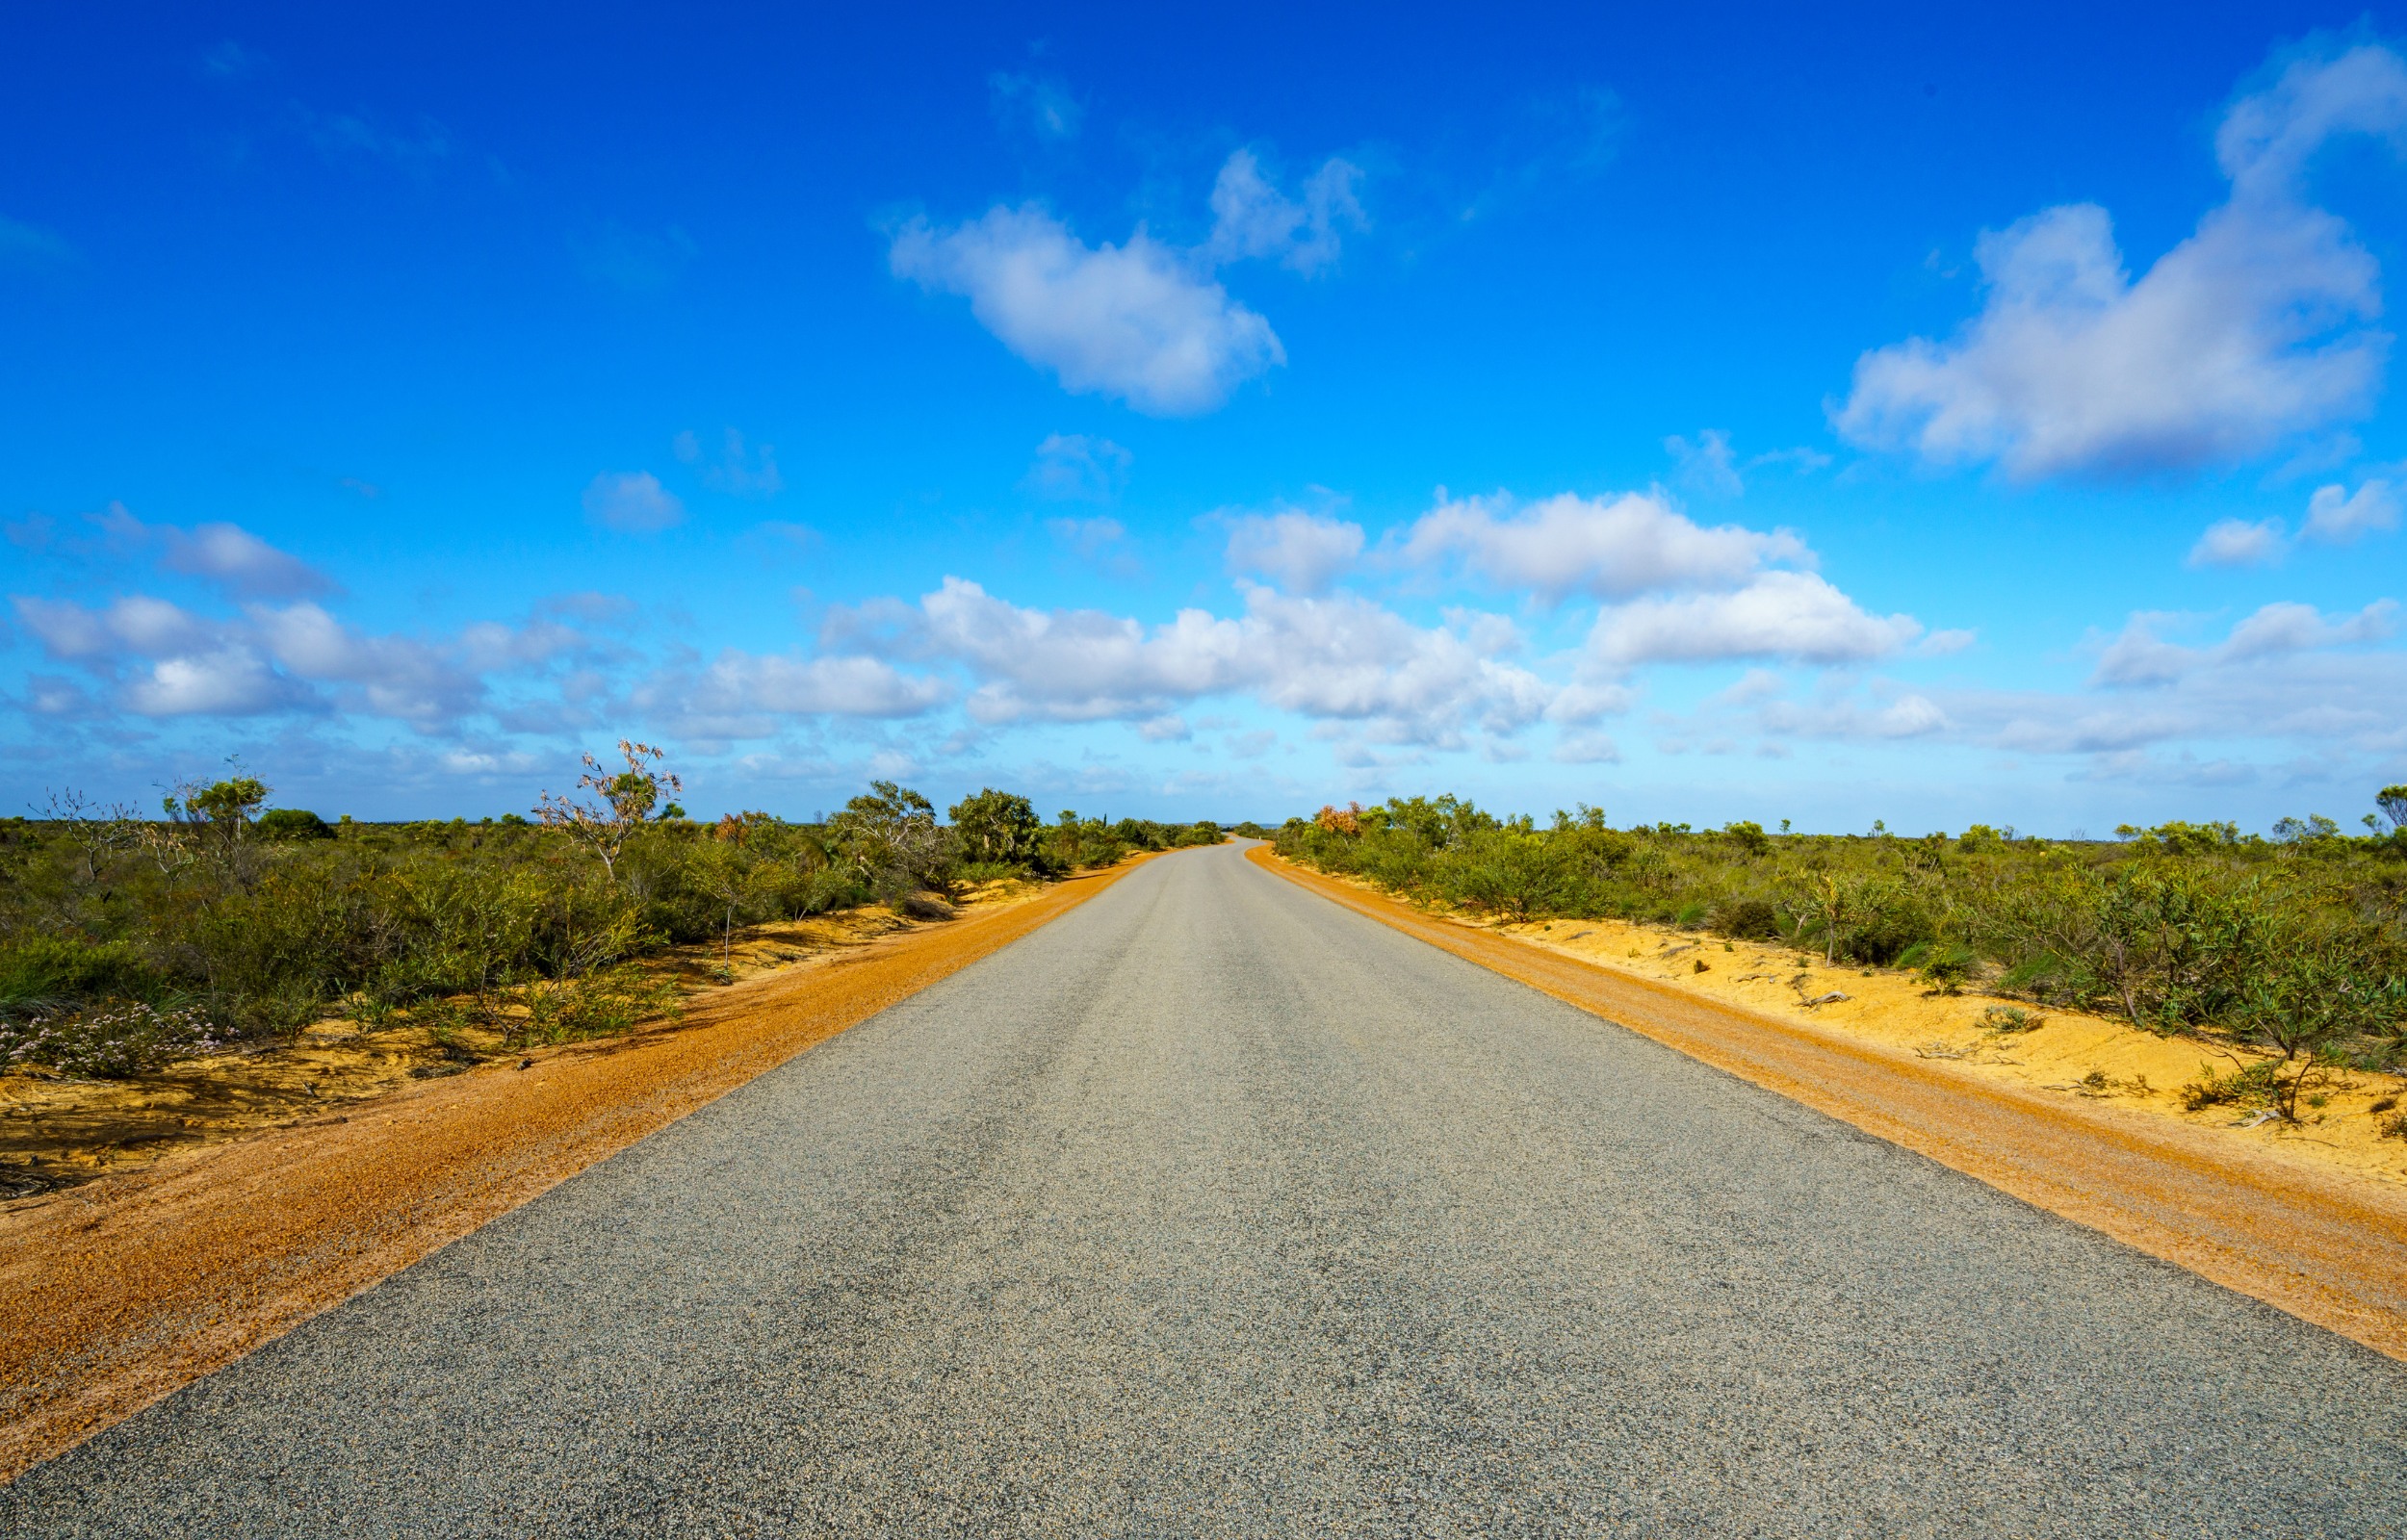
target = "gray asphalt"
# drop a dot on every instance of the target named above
(1213, 1209)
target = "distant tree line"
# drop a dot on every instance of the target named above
(130, 940)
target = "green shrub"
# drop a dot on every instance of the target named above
(598, 1005)
(1747, 919)
(292, 823)
(57, 968)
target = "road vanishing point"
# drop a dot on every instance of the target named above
(1212, 1209)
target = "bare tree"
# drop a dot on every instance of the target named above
(95, 827)
(620, 803)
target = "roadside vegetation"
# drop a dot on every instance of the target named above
(129, 941)
(2294, 945)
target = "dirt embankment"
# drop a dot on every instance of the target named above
(116, 1291)
(2315, 1225)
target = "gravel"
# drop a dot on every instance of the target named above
(1213, 1209)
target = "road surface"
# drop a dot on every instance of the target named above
(1214, 1209)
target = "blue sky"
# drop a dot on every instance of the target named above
(1211, 413)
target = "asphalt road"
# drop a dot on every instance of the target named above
(1213, 1209)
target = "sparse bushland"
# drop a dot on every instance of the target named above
(2297, 946)
(127, 941)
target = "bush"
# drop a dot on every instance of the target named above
(598, 1005)
(1747, 919)
(42, 968)
(2255, 1086)
(292, 823)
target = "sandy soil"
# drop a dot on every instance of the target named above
(163, 1267)
(2313, 1220)
(2070, 1053)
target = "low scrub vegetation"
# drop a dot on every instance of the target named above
(129, 941)
(2296, 944)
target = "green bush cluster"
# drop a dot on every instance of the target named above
(2296, 943)
(220, 923)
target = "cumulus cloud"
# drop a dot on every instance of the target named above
(2256, 328)
(1077, 467)
(1300, 553)
(2339, 516)
(1251, 218)
(1610, 548)
(1142, 321)
(229, 682)
(161, 659)
(398, 678)
(633, 503)
(225, 555)
(1785, 615)
(2138, 656)
(2285, 674)
(1336, 658)
(240, 561)
(2239, 543)
(793, 685)
(2335, 516)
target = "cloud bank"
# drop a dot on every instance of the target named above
(2255, 328)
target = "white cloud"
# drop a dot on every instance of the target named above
(230, 682)
(1167, 728)
(2254, 328)
(241, 562)
(632, 501)
(166, 660)
(1141, 321)
(833, 686)
(2285, 674)
(2138, 656)
(1587, 748)
(1301, 552)
(1076, 468)
(396, 677)
(1707, 465)
(2238, 543)
(1337, 658)
(1790, 615)
(225, 555)
(2339, 516)
(1587, 700)
(1608, 547)
(739, 472)
(1251, 218)
(136, 624)
(2335, 516)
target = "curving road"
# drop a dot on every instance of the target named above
(1213, 1209)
